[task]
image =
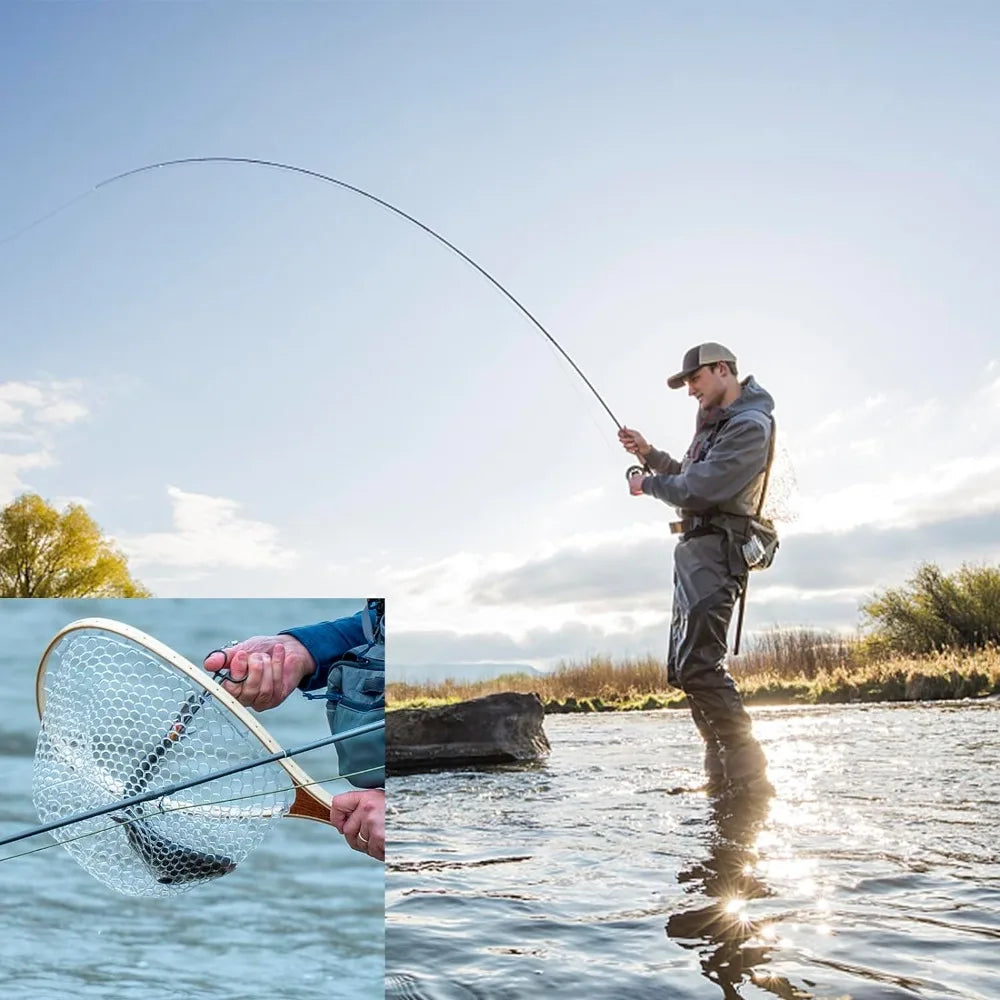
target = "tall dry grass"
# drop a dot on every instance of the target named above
(597, 677)
(795, 654)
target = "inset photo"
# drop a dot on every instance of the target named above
(163, 748)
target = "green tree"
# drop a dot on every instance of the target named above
(49, 553)
(935, 611)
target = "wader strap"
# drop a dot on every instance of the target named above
(760, 507)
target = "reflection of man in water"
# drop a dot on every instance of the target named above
(721, 932)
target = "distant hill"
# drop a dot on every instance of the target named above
(432, 673)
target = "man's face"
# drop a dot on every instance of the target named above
(707, 386)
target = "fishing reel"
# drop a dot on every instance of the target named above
(635, 470)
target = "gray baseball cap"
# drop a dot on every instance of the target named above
(703, 354)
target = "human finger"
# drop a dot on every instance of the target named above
(372, 832)
(629, 439)
(278, 692)
(261, 686)
(270, 690)
(238, 671)
(352, 831)
(348, 816)
(245, 667)
(215, 660)
(376, 844)
(342, 807)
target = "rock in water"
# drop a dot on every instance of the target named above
(498, 729)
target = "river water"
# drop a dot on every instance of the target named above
(873, 873)
(301, 918)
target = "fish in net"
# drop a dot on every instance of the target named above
(120, 718)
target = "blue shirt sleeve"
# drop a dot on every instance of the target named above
(327, 642)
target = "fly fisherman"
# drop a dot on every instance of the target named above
(717, 488)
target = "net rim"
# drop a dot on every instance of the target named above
(305, 786)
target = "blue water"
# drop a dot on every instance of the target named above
(872, 874)
(301, 918)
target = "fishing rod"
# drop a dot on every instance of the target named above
(180, 786)
(126, 821)
(276, 165)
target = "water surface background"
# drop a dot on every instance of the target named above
(874, 872)
(302, 917)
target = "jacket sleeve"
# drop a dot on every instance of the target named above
(736, 457)
(660, 461)
(327, 642)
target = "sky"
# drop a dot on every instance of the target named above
(263, 385)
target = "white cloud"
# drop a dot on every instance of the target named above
(901, 463)
(12, 467)
(61, 411)
(830, 421)
(209, 533)
(62, 502)
(587, 496)
(28, 412)
(32, 403)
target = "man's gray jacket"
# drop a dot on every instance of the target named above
(723, 470)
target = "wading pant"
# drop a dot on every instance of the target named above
(705, 592)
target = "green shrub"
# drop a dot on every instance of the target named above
(934, 612)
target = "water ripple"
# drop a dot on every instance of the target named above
(872, 874)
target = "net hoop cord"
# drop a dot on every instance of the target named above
(121, 711)
(327, 178)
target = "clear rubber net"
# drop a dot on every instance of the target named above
(121, 721)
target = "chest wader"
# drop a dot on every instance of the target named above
(355, 695)
(710, 573)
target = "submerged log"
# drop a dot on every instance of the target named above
(497, 729)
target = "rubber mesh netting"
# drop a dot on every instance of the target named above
(120, 721)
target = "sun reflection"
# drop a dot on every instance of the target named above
(730, 941)
(791, 869)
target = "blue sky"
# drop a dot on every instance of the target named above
(262, 385)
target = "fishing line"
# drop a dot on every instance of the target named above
(44, 218)
(118, 824)
(274, 164)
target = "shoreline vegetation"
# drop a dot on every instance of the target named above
(936, 638)
(799, 667)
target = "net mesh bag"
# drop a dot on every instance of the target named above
(121, 721)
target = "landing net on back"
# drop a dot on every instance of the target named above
(119, 721)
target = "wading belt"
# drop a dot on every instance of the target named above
(718, 522)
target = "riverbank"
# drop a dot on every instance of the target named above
(602, 685)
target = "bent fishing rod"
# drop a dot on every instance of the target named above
(327, 178)
(180, 786)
